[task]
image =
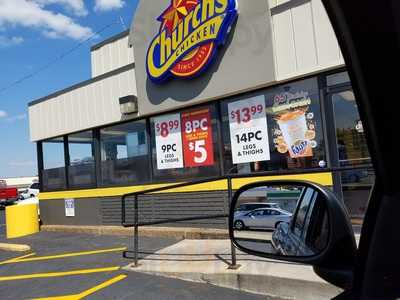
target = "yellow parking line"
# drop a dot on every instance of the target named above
(21, 260)
(102, 286)
(58, 274)
(87, 292)
(70, 297)
(12, 260)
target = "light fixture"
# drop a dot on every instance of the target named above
(128, 105)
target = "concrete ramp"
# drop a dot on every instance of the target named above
(207, 261)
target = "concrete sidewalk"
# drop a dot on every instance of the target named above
(155, 231)
(207, 261)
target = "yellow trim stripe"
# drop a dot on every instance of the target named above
(59, 274)
(89, 291)
(21, 260)
(320, 178)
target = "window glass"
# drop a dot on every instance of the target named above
(352, 150)
(35, 186)
(124, 154)
(53, 165)
(352, 146)
(258, 213)
(294, 129)
(301, 214)
(185, 145)
(81, 171)
(338, 78)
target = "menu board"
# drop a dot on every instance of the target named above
(249, 130)
(168, 142)
(197, 138)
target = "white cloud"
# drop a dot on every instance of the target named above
(16, 118)
(106, 5)
(6, 41)
(33, 15)
(77, 7)
(3, 114)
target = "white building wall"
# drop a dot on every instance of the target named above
(304, 40)
(89, 106)
(111, 56)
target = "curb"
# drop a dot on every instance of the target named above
(14, 247)
(171, 232)
(273, 287)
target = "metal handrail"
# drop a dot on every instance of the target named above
(231, 176)
(227, 177)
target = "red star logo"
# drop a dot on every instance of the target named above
(175, 13)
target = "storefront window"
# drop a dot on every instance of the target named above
(185, 145)
(81, 171)
(124, 154)
(277, 129)
(53, 165)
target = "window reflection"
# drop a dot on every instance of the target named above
(53, 174)
(81, 171)
(124, 154)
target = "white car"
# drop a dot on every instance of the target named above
(262, 218)
(250, 206)
(31, 192)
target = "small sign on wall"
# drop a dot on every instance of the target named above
(70, 207)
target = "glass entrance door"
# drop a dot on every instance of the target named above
(351, 151)
(351, 143)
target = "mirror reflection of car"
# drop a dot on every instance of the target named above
(318, 233)
(307, 232)
(265, 218)
(248, 207)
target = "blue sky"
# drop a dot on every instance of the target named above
(32, 34)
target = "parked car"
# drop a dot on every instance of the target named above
(31, 192)
(262, 218)
(8, 195)
(248, 207)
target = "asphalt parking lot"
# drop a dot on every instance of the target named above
(65, 266)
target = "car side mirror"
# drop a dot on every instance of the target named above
(311, 226)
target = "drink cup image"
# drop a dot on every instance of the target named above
(294, 130)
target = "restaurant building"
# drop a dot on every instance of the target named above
(201, 89)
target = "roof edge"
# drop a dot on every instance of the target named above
(110, 40)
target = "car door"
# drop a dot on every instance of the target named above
(267, 220)
(368, 36)
(254, 219)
